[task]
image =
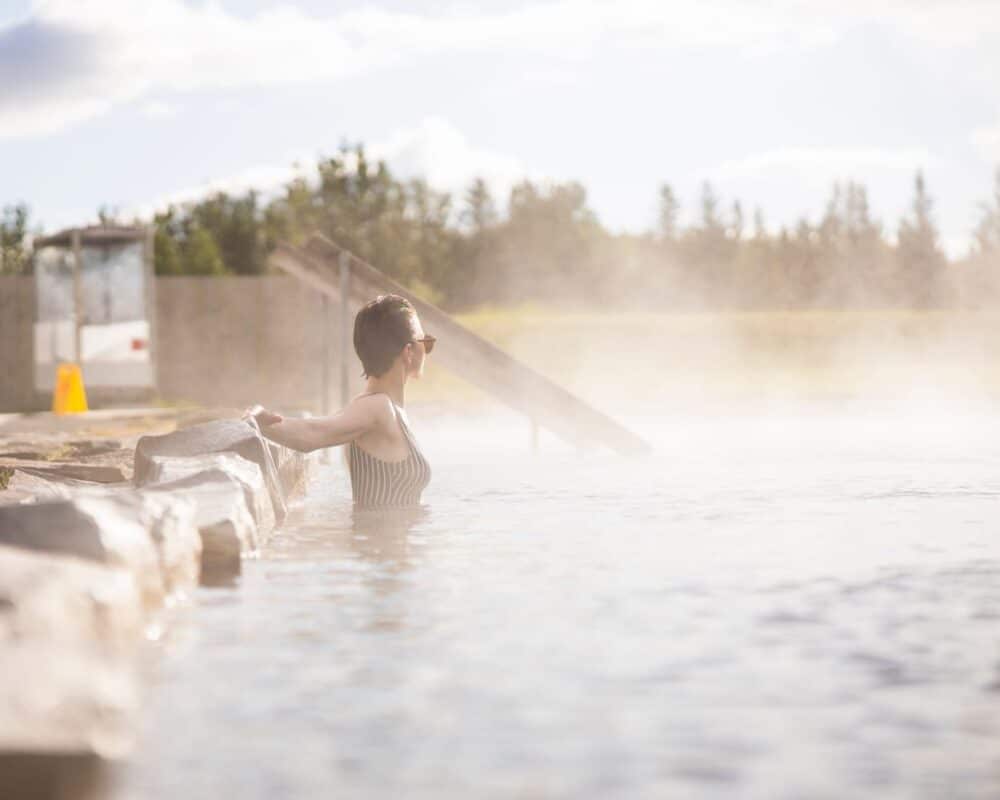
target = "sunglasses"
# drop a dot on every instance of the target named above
(427, 341)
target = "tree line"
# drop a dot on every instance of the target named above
(547, 246)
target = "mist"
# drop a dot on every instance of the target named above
(671, 469)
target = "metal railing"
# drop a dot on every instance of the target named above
(343, 277)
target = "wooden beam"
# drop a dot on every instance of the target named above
(463, 352)
(345, 328)
(77, 298)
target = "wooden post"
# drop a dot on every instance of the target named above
(325, 387)
(345, 326)
(149, 278)
(77, 297)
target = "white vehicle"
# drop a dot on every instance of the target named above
(94, 305)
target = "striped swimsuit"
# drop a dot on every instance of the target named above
(378, 483)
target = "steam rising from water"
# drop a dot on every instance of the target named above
(740, 364)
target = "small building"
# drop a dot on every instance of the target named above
(94, 306)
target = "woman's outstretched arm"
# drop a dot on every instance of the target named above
(360, 416)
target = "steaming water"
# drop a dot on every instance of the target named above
(798, 608)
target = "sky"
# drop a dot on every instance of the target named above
(134, 105)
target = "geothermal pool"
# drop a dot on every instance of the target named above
(796, 607)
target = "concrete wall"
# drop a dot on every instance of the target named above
(229, 341)
(17, 317)
(239, 340)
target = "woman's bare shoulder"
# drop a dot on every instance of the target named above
(378, 406)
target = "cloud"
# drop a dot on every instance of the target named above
(158, 109)
(434, 150)
(438, 152)
(797, 180)
(823, 164)
(71, 60)
(943, 23)
(266, 179)
(986, 140)
(75, 59)
(44, 83)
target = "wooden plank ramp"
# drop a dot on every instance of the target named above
(463, 352)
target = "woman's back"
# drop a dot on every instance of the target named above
(376, 482)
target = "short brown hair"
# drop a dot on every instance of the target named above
(381, 329)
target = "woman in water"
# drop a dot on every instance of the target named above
(386, 466)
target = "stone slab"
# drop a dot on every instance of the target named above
(53, 776)
(227, 529)
(67, 600)
(59, 699)
(94, 473)
(233, 436)
(109, 529)
(68, 635)
(47, 484)
(212, 466)
(121, 459)
(13, 497)
(170, 520)
(59, 450)
(47, 421)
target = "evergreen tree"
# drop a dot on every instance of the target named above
(108, 215)
(480, 211)
(475, 253)
(759, 227)
(711, 224)
(670, 210)
(865, 279)
(850, 258)
(832, 265)
(428, 259)
(921, 262)
(982, 272)
(547, 245)
(757, 268)
(182, 247)
(233, 225)
(166, 251)
(200, 254)
(736, 221)
(710, 252)
(551, 245)
(986, 237)
(806, 280)
(14, 255)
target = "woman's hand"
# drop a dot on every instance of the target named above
(262, 416)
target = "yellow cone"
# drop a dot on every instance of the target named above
(69, 396)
